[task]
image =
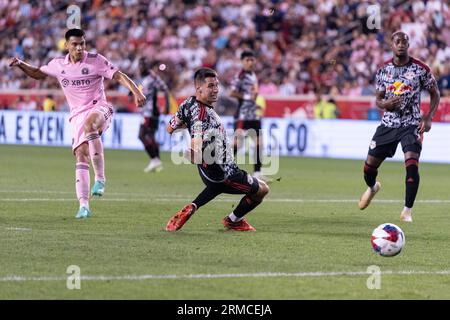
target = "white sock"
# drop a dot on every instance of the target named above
(233, 217)
(407, 209)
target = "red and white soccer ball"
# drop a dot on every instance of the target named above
(388, 240)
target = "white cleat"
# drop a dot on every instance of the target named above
(154, 165)
(368, 195)
(406, 216)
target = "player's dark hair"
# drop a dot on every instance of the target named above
(247, 53)
(397, 33)
(203, 73)
(74, 33)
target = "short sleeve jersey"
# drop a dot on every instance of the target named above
(406, 81)
(244, 83)
(81, 82)
(202, 121)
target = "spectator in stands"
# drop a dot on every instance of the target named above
(299, 38)
(325, 109)
(49, 103)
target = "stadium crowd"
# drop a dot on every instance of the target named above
(302, 46)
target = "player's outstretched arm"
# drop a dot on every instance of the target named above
(435, 97)
(28, 69)
(124, 80)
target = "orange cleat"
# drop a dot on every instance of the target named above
(178, 220)
(241, 225)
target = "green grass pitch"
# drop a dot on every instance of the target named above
(312, 242)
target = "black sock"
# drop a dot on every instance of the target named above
(246, 205)
(151, 146)
(205, 196)
(153, 151)
(156, 149)
(370, 174)
(258, 158)
(149, 151)
(412, 181)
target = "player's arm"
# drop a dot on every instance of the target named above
(236, 94)
(167, 99)
(390, 104)
(174, 124)
(162, 86)
(124, 80)
(28, 69)
(435, 97)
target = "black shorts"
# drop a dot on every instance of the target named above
(240, 183)
(148, 127)
(151, 123)
(385, 141)
(248, 124)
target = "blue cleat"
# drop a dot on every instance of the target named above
(98, 189)
(83, 213)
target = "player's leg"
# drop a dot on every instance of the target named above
(94, 125)
(371, 166)
(182, 216)
(239, 136)
(152, 148)
(258, 150)
(384, 144)
(254, 189)
(412, 147)
(82, 180)
(412, 180)
(256, 135)
(142, 137)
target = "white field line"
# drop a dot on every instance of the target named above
(171, 199)
(18, 229)
(15, 278)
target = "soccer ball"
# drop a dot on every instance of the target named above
(388, 240)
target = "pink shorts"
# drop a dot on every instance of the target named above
(78, 137)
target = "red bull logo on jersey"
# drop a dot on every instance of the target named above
(399, 88)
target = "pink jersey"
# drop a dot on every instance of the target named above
(82, 82)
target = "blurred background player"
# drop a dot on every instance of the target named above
(217, 169)
(398, 87)
(81, 76)
(244, 87)
(151, 84)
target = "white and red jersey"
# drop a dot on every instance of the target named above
(81, 82)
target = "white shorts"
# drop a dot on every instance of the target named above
(78, 137)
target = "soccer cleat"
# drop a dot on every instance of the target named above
(368, 195)
(241, 225)
(154, 165)
(83, 213)
(98, 189)
(178, 220)
(406, 216)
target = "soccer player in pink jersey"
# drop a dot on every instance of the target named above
(81, 75)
